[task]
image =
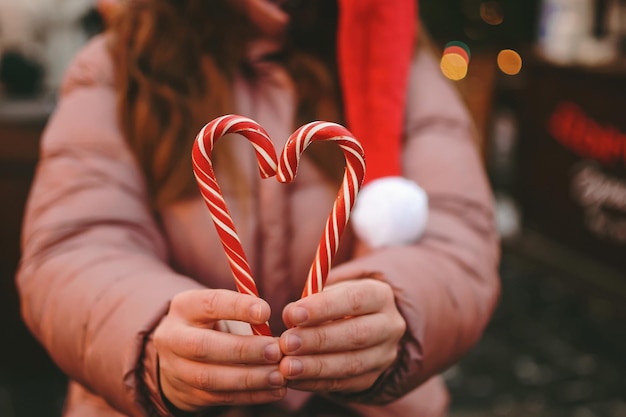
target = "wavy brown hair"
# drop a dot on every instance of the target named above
(174, 63)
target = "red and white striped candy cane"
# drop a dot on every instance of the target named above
(340, 213)
(212, 194)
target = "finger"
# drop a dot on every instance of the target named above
(338, 365)
(341, 335)
(353, 298)
(225, 378)
(204, 307)
(212, 346)
(191, 399)
(360, 383)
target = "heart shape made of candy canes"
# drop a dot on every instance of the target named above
(285, 169)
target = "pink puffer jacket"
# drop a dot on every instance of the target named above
(99, 268)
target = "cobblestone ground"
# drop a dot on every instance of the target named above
(550, 351)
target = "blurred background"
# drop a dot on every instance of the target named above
(546, 84)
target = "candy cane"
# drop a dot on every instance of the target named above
(340, 213)
(212, 194)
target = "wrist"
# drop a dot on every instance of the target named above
(150, 383)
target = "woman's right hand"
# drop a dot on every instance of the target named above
(200, 366)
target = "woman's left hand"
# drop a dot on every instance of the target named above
(342, 339)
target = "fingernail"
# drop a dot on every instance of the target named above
(255, 312)
(276, 379)
(292, 343)
(299, 315)
(295, 367)
(272, 352)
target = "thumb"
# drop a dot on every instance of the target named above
(204, 307)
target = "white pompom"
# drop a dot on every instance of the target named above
(390, 211)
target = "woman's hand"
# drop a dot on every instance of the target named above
(200, 366)
(341, 340)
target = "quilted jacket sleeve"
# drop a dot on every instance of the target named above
(94, 279)
(447, 284)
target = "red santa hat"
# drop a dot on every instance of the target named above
(375, 49)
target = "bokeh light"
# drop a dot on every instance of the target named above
(454, 66)
(453, 45)
(455, 60)
(509, 62)
(458, 50)
(491, 12)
